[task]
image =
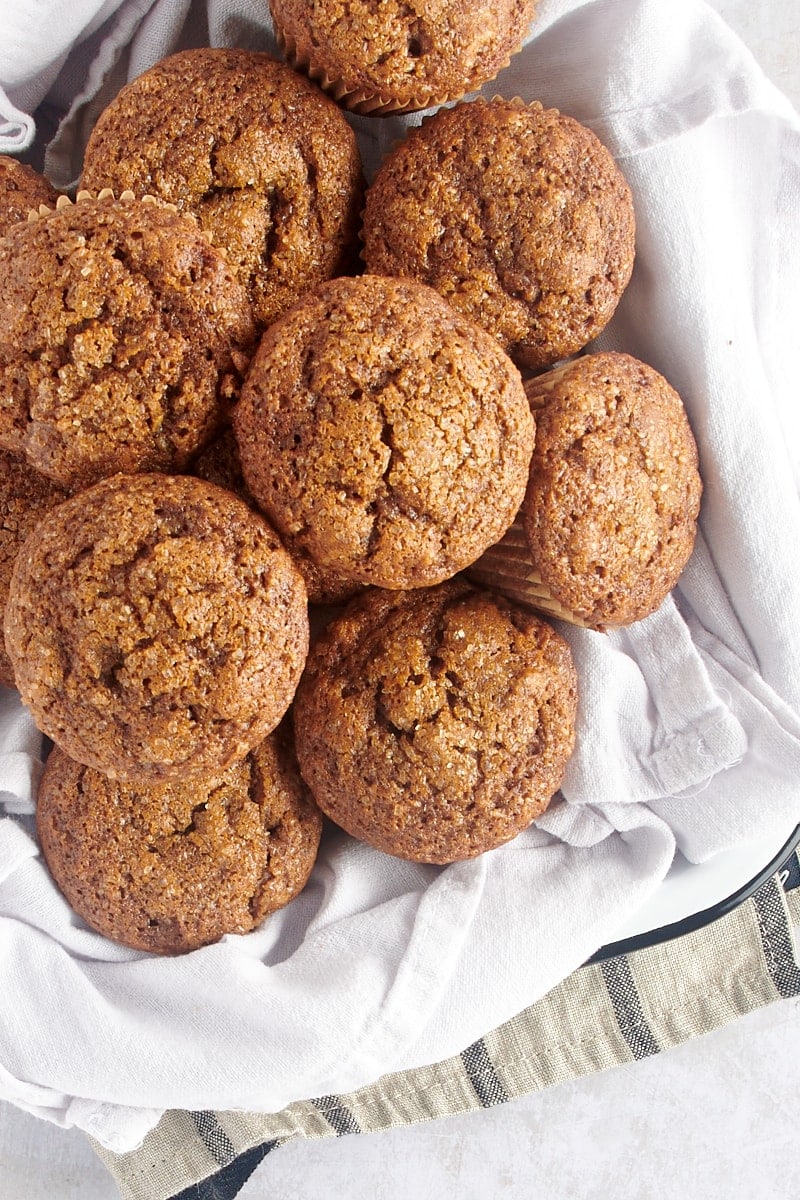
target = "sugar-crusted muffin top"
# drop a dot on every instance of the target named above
(22, 190)
(435, 724)
(516, 214)
(264, 160)
(25, 496)
(401, 54)
(123, 339)
(611, 507)
(174, 866)
(386, 436)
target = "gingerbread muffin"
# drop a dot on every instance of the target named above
(156, 627)
(610, 514)
(395, 56)
(435, 724)
(219, 463)
(516, 214)
(22, 190)
(123, 338)
(174, 866)
(25, 496)
(386, 436)
(260, 155)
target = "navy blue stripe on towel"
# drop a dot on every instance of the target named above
(482, 1075)
(776, 939)
(227, 1184)
(627, 1007)
(215, 1139)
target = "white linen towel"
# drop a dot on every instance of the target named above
(689, 734)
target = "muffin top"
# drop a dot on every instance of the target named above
(22, 189)
(123, 336)
(611, 508)
(435, 724)
(174, 866)
(266, 162)
(401, 54)
(518, 215)
(25, 496)
(219, 463)
(156, 627)
(386, 436)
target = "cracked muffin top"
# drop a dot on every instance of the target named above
(386, 436)
(25, 496)
(264, 160)
(516, 214)
(219, 463)
(174, 866)
(435, 724)
(22, 189)
(123, 338)
(156, 626)
(611, 509)
(401, 54)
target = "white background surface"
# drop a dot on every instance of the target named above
(715, 1119)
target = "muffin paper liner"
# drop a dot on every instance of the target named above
(507, 567)
(64, 201)
(361, 100)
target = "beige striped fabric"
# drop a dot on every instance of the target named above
(616, 1010)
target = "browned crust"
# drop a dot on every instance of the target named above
(175, 866)
(156, 626)
(265, 161)
(611, 508)
(435, 724)
(400, 55)
(21, 189)
(123, 340)
(386, 437)
(516, 214)
(25, 496)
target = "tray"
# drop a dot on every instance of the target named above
(695, 894)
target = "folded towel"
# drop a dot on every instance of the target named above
(623, 1008)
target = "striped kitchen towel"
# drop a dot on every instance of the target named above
(618, 1008)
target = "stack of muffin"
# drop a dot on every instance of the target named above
(214, 421)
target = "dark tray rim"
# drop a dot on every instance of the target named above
(705, 916)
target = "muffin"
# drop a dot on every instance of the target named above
(174, 866)
(435, 724)
(123, 338)
(610, 513)
(516, 214)
(22, 190)
(385, 436)
(156, 627)
(266, 162)
(25, 496)
(219, 463)
(390, 57)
